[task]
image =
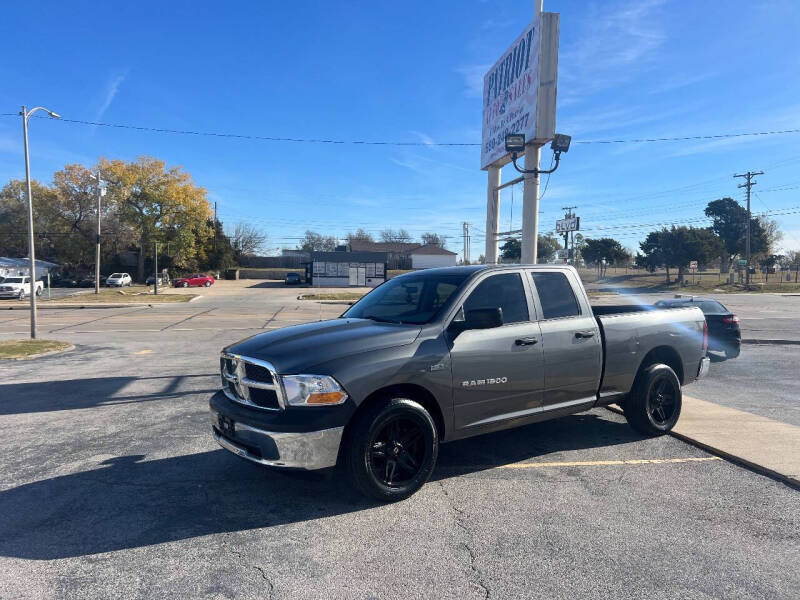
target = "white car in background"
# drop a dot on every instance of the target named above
(19, 287)
(119, 280)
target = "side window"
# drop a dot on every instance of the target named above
(504, 291)
(556, 295)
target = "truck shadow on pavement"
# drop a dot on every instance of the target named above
(71, 394)
(130, 502)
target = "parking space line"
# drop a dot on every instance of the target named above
(272, 318)
(137, 309)
(189, 317)
(608, 463)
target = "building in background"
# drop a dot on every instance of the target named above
(346, 269)
(431, 255)
(20, 266)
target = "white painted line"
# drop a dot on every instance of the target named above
(608, 463)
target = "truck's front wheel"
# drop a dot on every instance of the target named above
(654, 404)
(392, 449)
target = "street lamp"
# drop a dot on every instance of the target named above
(26, 114)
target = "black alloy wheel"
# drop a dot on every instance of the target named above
(661, 402)
(654, 404)
(390, 450)
(396, 452)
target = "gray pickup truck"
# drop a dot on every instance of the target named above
(443, 354)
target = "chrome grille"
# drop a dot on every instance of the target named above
(251, 382)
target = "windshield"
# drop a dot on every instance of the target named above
(414, 298)
(115, 275)
(12, 280)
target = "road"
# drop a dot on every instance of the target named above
(113, 487)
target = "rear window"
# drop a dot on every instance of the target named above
(13, 280)
(711, 307)
(556, 295)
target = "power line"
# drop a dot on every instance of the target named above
(399, 143)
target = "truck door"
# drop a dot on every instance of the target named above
(570, 341)
(498, 372)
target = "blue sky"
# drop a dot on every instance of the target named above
(412, 71)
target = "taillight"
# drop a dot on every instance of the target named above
(705, 336)
(731, 319)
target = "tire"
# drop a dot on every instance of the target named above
(185, 284)
(207, 284)
(391, 475)
(654, 405)
(38, 292)
(21, 295)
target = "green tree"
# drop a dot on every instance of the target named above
(603, 252)
(547, 246)
(152, 200)
(729, 222)
(677, 247)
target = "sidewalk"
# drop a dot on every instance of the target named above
(763, 444)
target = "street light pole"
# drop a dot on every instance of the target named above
(25, 114)
(97, 239)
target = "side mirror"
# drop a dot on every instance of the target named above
(483, 318)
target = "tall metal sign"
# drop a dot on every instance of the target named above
(519, 96)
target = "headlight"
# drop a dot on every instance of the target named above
(312, 390)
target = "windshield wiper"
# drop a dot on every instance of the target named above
(380, 319)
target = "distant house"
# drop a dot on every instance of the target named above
(405, 255)
(431, 255)
(20, 266)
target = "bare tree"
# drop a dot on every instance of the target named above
(390, 235)
(313, 241)
(433, 238)
(246, 239)
(361, 235)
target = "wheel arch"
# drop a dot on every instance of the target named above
(412, 391)
(666, 355)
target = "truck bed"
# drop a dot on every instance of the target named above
(632, 331)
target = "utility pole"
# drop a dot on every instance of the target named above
(97, 240)
(567, 215)
(465, 252)
(26, 114)
(155, 268)
(215, 226)
(748, 184)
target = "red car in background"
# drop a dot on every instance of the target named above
(196, 280)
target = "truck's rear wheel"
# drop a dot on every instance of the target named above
(654, 404)
(392, 449)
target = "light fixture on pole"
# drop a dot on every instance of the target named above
(26, 114)
(515, 143)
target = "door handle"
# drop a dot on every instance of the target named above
(584, 334)
(526, 341)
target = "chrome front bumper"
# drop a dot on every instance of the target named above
(310, 450)
(702, 370)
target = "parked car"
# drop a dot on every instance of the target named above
(86, 282)
(444, 354)
(196, 280)
(293, 279)
(162, 280)
(19, 287)
(724, 333)
(119, 280)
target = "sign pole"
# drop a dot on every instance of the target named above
(492, 215)
(530, 190)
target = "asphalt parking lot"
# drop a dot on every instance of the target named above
(113, 487)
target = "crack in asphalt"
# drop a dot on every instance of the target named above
(240, 555)
(459, 518)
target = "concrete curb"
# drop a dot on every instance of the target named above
(734, 458)
(772, 341)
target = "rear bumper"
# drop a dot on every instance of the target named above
(702, 368)
(310, 450)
